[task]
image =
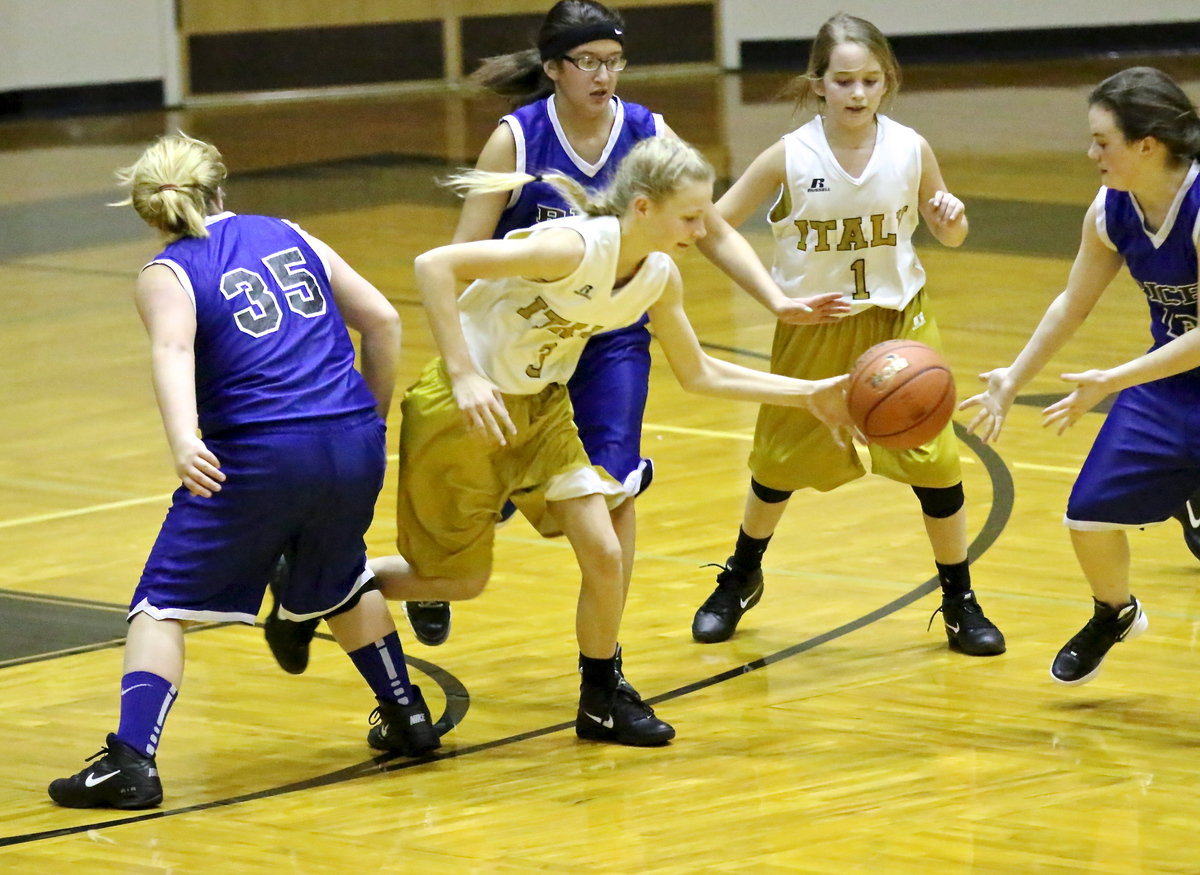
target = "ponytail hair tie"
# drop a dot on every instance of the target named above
(167, 186)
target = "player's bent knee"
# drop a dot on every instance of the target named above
(940, 503)
(469, 588)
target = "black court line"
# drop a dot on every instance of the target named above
(998, 516)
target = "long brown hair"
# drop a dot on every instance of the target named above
(843, 28)
(1146, 102)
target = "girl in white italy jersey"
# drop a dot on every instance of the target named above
(848, 187)
(490, 418)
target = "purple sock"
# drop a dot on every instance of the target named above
(146, 700)
(382, 665)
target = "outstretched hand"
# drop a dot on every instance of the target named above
(1092, 388)
(814, 310)
(482, 405)
(828, 404)
(993, 403)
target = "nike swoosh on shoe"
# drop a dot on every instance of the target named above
(749, 598)
(93, 780)
(606, 722)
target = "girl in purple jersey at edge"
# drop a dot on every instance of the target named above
(567, 119)
(1145, 462)
(247, 321)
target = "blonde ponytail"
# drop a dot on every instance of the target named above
(656, 167)
(174, 185)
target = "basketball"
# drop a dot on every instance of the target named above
(901, 394)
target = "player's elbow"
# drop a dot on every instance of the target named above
(383, 325)
(695, 377)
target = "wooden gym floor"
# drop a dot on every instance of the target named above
(835, 732)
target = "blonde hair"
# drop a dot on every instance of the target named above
(656, 167)
(838, 29)
(173, 185)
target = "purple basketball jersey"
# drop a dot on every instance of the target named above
(271, 346)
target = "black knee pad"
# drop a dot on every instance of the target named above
(767, 494)
(940, 503)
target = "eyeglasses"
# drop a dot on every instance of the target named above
(590, 64)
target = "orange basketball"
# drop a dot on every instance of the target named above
(901, 394)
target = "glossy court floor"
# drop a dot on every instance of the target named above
(835, 732)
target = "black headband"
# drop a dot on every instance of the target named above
(558, 45)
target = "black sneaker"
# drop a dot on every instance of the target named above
(1079, 660)
(121, 778)
(619, 715)
(289, 640)
(406, 729)
(1189, 518)
(735, 594)
(430, 621)
(967, 629)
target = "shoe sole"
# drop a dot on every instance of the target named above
(131, 805)
(403, 749)
(587, 733)
(1140, 625)
(958, 648)
(425, 639)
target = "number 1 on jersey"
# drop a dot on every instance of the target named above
(859, 269)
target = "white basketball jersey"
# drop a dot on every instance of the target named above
(524, 334)
(838, 233)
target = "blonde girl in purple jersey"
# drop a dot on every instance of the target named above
(279, 446)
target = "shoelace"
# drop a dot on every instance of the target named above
(721, 585)
(1094, 631)
(633, 696)
(968, 606)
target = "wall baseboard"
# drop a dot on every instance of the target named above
(1006, 45)
(81, 99)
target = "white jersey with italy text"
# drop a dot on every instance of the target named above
(524, 334)
(838, 233)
